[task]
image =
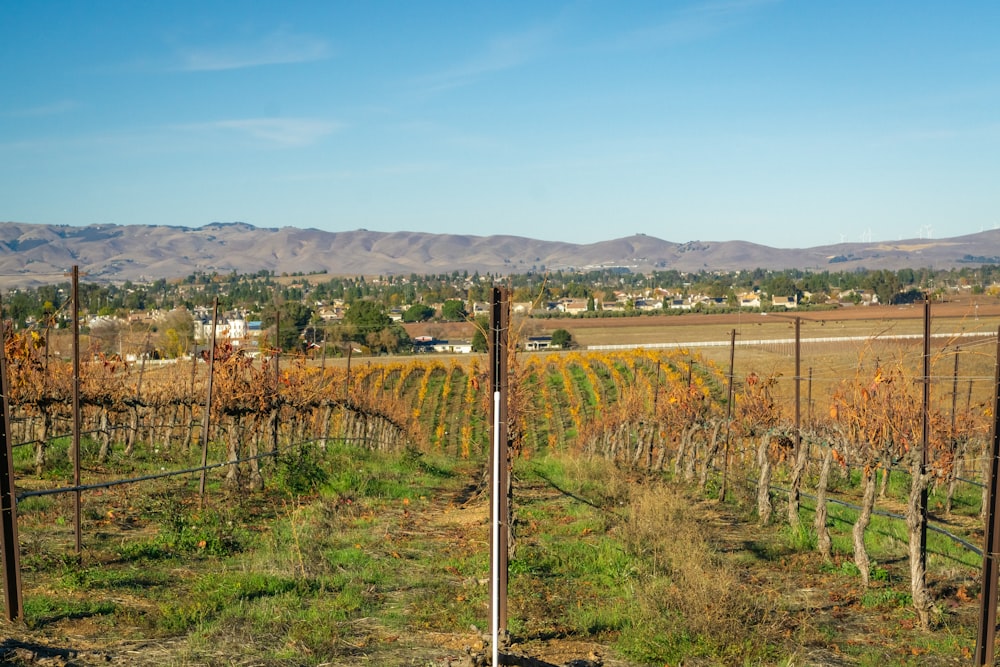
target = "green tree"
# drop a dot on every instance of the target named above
(418, 312)
(294, 317)
(562, 339)
(19, 306)
(453, 310)
(781, 285)
(177, 334)
(390, 340)
(479, 342)
(885, 284)
(365, 317)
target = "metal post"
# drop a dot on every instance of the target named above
(798, 383)
(954, 395)
(499, 462)
(206, 419)
(194, 366)
(77, 495)
(495, 510)
(8, 503)
(322, 363)
(801, 457)
(729, 416)
(809, 397)
(656, 396)
(925, 437)
(985, 637)
(347, 384)
(277, 346)
(277, 381)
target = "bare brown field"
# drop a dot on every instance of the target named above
(981, 314)
(866, 335)
(849, 321)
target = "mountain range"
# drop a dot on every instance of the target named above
(32, 254)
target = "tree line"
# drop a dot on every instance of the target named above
(294, 301)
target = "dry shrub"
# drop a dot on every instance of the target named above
(692, 601)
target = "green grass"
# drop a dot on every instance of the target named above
(349, 550)
(42, 610)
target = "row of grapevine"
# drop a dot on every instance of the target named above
(655, 410)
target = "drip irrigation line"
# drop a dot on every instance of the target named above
(971, 482)
(133, 480)
(891, 515)
(169, 473)
(68, 435)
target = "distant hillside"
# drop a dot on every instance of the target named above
(35, 254)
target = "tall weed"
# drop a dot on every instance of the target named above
(691, 604)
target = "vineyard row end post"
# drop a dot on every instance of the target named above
(8, 503)
(729, 416)
(499, 462)
(206, 419)
(986, 635)
(78, 494)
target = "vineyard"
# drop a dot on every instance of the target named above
(830, 455)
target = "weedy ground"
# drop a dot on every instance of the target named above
(352, 557)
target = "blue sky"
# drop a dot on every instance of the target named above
(789, 123)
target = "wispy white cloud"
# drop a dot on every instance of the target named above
(499, 54)
(280, 47)
(186, 138)
(282, 132)
(694, 23)
(53, 109)
(395, 169)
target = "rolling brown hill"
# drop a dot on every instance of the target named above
(35, 254)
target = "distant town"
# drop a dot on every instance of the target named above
(321, 314)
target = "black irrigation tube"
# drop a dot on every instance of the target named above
(971, 482)
(159, 475)
(68, 435)
(133, 480)
(891, 515)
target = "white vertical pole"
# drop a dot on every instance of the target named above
(495, 534)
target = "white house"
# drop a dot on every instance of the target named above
(572, 306)
(538, 343)
(784, 301)
(453, 347)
